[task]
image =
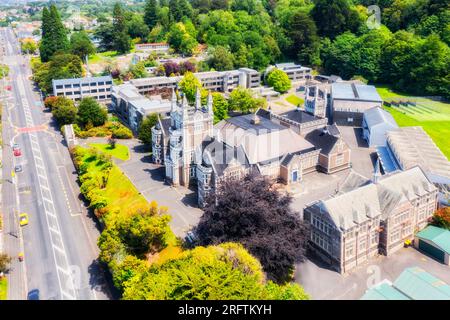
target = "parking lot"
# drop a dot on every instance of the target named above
(324, 284)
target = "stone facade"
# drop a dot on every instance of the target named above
(370, 218)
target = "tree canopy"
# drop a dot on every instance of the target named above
(90, 112)
(54, 34)
(251, 212)
(279, 80)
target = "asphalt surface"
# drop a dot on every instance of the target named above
(59, 243)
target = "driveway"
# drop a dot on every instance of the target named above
(324, 284)
(148, 178)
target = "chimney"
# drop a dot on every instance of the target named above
(255, 119)
(377, 172)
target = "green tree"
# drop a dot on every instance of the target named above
(138, 70)
(145, 129)
(334, 17)
(28, 46)
(279, 80)
(189, 86)
(151, 13)
(181, 40)
(81, 45)
(54, 34)
(105, 32)
(220, 59)
(122, 41)
(137, 27)
(241, 99)
(302, 33)
(220, 107)
(65, 114)
(89, 111)
(222, 272)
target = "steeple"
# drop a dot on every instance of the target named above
(209, 103)
(377, 172)
(184, 107)
(173, 106)
(198, 100)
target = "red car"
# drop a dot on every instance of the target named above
(17, 152)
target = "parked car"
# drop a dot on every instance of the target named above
(18, 168)
(17, 153)
(33, 294)
(23, 219)
(15, 146)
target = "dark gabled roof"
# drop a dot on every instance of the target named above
(263, 113)
(322, 140)
(165, 125)
(299, 116)
(333, 130)
(219, 156)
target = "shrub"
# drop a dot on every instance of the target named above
(122, 133)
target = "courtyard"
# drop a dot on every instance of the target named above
(324, 284)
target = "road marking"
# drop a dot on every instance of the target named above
(55, 233)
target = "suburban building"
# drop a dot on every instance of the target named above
(335, 153)
(223, 81)
(132, 106)
(349, 101)
(412, 284)
(76, 89)
(366, 218)
(435, 242)
(152, 47)
(294, 71)
(376, 124)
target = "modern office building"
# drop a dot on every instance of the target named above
(223, 81)
(294, 71)
(132, 106)
(76, 89)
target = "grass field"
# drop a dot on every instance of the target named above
(3, 289)
(293, 99)
(433, 116)
(100, 56)
(120, 151)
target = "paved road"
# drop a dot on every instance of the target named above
(60, 241)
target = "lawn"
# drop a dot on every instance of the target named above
(3, 288)
(100, 56)
(120, 151)
(433, 116)
(293, 99)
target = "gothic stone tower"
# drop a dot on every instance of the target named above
(189, 126)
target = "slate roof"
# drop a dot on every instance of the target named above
(299, 116)
(367, 200)
(219, 156)
(322, 140)
(262, 142)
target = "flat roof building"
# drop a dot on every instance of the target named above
(295, 72)
(76, 89)
(349, 101)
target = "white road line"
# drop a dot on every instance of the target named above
(55, 233)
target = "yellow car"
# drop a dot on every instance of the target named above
(23, 219)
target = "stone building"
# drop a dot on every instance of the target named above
(366, 218)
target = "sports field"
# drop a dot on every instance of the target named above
(433, 116)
